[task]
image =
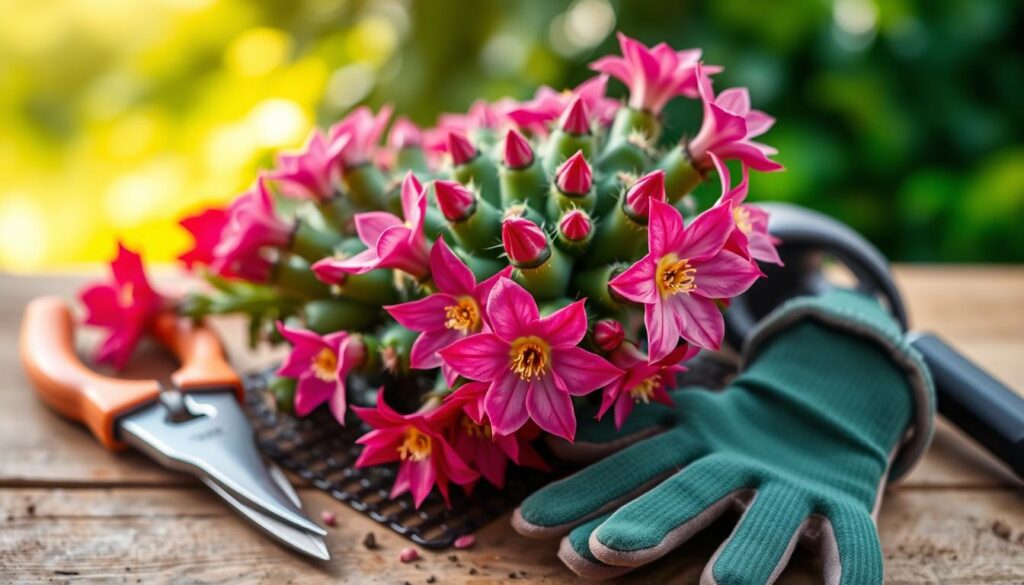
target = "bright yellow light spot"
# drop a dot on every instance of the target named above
(258, 51)
(23, 233)
(147, 194)
(277, 122)
(372, 40)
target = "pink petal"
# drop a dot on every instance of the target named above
(662, 329)
(380, 446)
(735, 100)
(505, 403)
(311, 392)
(371, 224)
(708, 233)
(623, 407)
(614, 66)
(426, 314)
(511, 310)
(483, 290)
(551, 407)
(700, 321)
(725, 275)
(421, 478)
(664, 230)
(424, 354)
(492, 462)
(636, 283)
(565, 327)
(449, 273)
(758, 123)
(751, 155)
(582, 372)
(483, 356)
(454, 466)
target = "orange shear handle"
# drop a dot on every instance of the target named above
(65, 383)
(69, 387)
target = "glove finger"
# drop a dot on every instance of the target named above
(575, 553)
(850, 551)
(761, 544)
(561, 505)
(598, 438)
(667, 516)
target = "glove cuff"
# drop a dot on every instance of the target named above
(864, 317)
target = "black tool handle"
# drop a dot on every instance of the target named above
(985, 408)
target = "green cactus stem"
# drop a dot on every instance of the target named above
(480, 173)
(411, 158)
(479, 232)
(293, 275)
(619, 236)
(367, 186)
(561, 145)
(559, 202)
(312, 243)
(593, 284)
(680, 176)
(548, 278)
(339, 314)
(527, 185)
(629, 122)
(375, 287)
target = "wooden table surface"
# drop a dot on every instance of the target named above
(70, 511)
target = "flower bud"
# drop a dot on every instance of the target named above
(518, 153)
(461, 149)
(608, 334)
(574, 176)
(574, 119)
(648, 187)
(525, 243)
(405, 134)
(455, 200)
(575, 225)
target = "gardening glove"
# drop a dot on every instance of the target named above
(830, 403)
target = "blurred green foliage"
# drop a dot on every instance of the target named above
(900, 117)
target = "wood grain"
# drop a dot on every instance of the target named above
(70, 511)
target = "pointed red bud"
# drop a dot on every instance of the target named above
(648, 187)
(524, 241)
(573, 177)
(608, 334)
(461, 149)
(575, 225)
(455, 200)
(405, 134)
(518, 154)
(574, 118)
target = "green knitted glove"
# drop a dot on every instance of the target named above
(831, 403)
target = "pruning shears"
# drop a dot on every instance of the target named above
(193, 424)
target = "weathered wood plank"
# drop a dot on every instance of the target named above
(186, 535)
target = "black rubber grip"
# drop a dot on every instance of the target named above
(983, 407)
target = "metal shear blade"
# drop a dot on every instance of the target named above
(206, 434)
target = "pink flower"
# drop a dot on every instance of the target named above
(642, 381)
(728, 127)
(391, 242)
(309, 173)
(405, 134)
(548, 105)
(654, 75)
(650, 187)
(321, 365)
(532, 364)
(575, 225)
(574, 176)
(450, 314)
(751, 238)
(353, 140)
(125, 305)
(524, 242)
(414, 440)
(461, 149)
(471, 435)
(684, 272)
(252, 225)
(518, 153)
(608, 334)
(205, 228)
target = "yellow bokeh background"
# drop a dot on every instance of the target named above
(120, 116)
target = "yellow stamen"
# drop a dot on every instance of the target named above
(741, 216)
(530, 357)
(464, 316)
(474, 430)
(415, 447)
(675, 276)
(324, 365)
(644, 391)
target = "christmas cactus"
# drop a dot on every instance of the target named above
(489, 275)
